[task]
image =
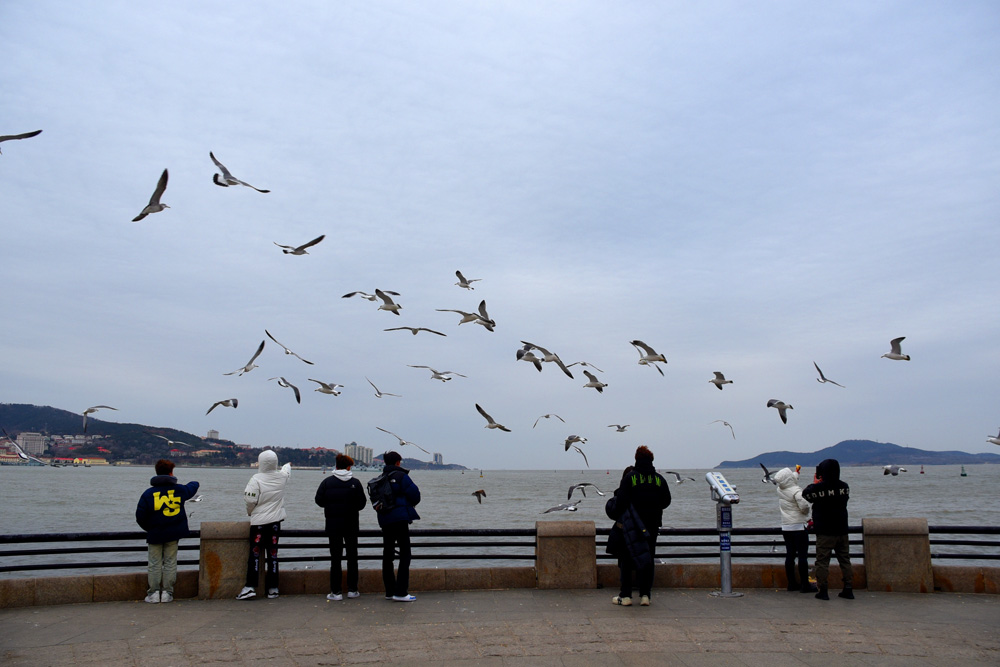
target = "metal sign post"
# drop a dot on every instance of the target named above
(725, 497)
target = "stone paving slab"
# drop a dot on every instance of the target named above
(517, 628)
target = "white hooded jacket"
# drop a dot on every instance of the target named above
(265, 492)
(794, 508)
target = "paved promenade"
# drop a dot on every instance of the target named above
(514, 627)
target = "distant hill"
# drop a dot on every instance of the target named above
(864, 453)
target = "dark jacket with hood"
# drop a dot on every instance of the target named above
(647, 491)
(407, 496)
(829, 499)
(160, 511)
(341, 496)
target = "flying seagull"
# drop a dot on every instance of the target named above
(648, 356)
(415, 330)
(781, 407)
(154, 205)
(583, 489)
(228, 179)
(170, 442)
(549, 356)
(525, 354)
(466, 283)
(767, 475)
(896, 353)
(822, 378)
(20, 452)
(995, 439)
(584, 363)
(490, 423)
(370, 297)
(250, 364)
(299, 250)
(564, 507)
(326, 387)
(719, 380)
(892, 470)
(594, 382)
(228, 403)
(93, 409)
(439, 375)
(619, 428)
(484, 317)
(403, 443)
(380, 394)
(282, 382)
(480, 494)
(551, 414)
(679, 480)
(26, 135)
(727, 424)
(387, 302)
(572, 439)
(287, 351)
(581, 454)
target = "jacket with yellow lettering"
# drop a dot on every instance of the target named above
(160, 511)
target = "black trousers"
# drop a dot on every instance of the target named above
(796, 546)
(263, 540)
(644, 577)
(341, 539)
(396, 535)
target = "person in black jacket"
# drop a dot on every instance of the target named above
(829, 496)
(160, 512)
(643, 490)
(342, 497)
(395, 524)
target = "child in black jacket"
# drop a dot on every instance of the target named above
(829, 496)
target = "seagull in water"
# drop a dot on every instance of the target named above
(250, 364)
(892, 470)
(767, 475)
(594, 382)
(466, 283)
(326, 387)
(781, 408)
(564, 507)
(26, 135)
(154, 205)
(403, 443)
(228, 179)
(583, 489)
(822, 378)
(380, 394)
(551, 414)
(648, 356)
(490, 422)
(282, 382)
(91, 410)
(896, 353)
(228, 403)
(287, 351)
(300, 249)
(619, 428)
(387, 302)
(995, 439)
(370, 297)
(720, 380)
(415, 330)
(480, 494)
(679, 480)
(727, 424)
(439, 375)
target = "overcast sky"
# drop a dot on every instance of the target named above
(748, 188)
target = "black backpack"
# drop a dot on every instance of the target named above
(381, 493)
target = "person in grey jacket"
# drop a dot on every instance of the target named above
(265, 501)
(794, 516)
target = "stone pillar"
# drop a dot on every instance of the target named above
(222, 570)
(898, 555)
(566, 554)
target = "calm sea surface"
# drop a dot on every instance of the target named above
(99, 499)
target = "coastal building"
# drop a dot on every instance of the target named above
(438, 459)
(212, 434)
(31, 443)
(360, 454)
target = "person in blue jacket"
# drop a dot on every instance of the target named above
(161, 514)
(395, 525)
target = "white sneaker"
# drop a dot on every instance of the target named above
(644, 601)
(272, 593)
(334, 596)
(246, 593)
(353, 594)
(166, 597)
(404, 598)
(153, 598)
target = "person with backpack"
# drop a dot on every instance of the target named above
(394, 497)
(342, 497)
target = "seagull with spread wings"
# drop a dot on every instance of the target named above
(287, 351)
(679, 479)
(551, 414)
(366, 295)
(768, 475)
(13, 137)
(727, 424)
(438, 375)
(415, 330)
(403, 443)
(154, 205)
(282, 382)
(548, 357)
(380, 394)
(896, 351)
(327, 387)
(619, 428)
(92, 409)
(464, 282)
(583, 489)
(250, 364)
(227, 179)
(227, 403)
(719, 380)
(480, 494)
(781, 407)
(823, 379)
(170, 442)
(299, 249)
(648, 356)
(564, 507)
(594, 382)
(489, 420)
(387, 302)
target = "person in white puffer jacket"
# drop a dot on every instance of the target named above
(265, 501)
(794, 515)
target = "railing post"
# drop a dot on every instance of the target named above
(898, 555)
(565, 556)
(225, 546)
